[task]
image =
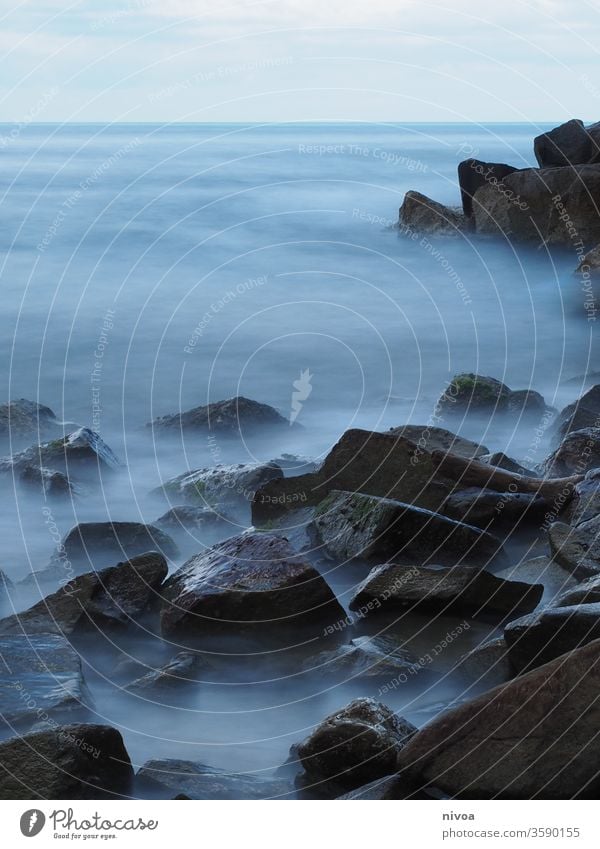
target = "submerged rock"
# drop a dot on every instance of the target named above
(225, 418)
(353, 746)
(421, 214)
(183, 669)
(23, 418)
(252, 580)
(352, 525)
(116, 597)
(445, 588)
(78, 452)
(487, 665)
(67, 762)
(49, 482)
(363, 658)
(534, 737)
(199, 781)
(40, 677)
(221, 486)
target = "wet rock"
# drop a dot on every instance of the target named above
(585, 504)
(421, 214)
(501, 461)
(439, 439)
(540, 637)
(483, 507)
(588, 592)
(543, 206)
(478, 394)
(80, 451)
(352, 525)
(293, 465)
(567, 144)
(116, 597)
(6, 590)
(487, 665)
(590, 263)
(577, 453)
(446, 588)
(184, 669)
(49, 482)
(221, 486)
(473, 173)
(583, 413)
(353, 746)
(255, 580)
(541, 570)
(187, 517)
(225, 418)
(363, 658)
(577, 548)
(199, 781)
(40, 677)
(68, 762)
(23, 418)
(534, 737)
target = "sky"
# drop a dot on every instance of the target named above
(299, 60)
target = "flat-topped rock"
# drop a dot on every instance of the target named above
(226, 418)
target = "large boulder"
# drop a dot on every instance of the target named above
(478, 394)
(188, 517)
(82, 451)
(41, 678)
(23, 418)
(577, 453)
(352, 525)
(552, 206)
(353, 746)
(534, 737)
(473, 173)
(65, 762)
(501, 461)
(445, 588)
(540, 637)
(487, 665)
(194, 780)
(224, 418)
(49, 482)
(582, 413)
(116, 597)
(577, 548)
(252, 581)
(568, 144)
(429, 438)
(484, 507)
(420, 214)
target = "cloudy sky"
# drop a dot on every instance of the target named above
(274, 60)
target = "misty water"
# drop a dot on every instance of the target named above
(149, 269)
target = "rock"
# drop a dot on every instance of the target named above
(568, 144)
(445, 588)
(187, 517)
(225, 418)
(476, 393)
(78, 452)
(293, 465)
(587, 592)
(383, 464)
(420, 214)
(113, 598)
(253, 580)
(589, 264)
(184, 668)
(67, 762)
(363, 658)
(578, 452)
(482, 507)
(534, 737)
(487, 665)
(577, 548)
(6, 590)
(40, 677)
(198, 781)
(51, 483)
(226, 486)
(583, 413)
(353, 746)
(439, 439)
(94, 544)
(501, 461)
(585, 504)
(23, 418)
(472, 174)
(352, 525)
(540, 637)
(541, 570)
(546, 207)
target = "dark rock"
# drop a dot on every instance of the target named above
(67, 762)
(187, 517)
(197, 781)
(184, 669)
(541, 570)
(577, 453)
(546, 207)
(353, 746)
(567, 144)
(439, 439)
(420, 214)
(113, 598)
(472, 174)
(541, 637)
(23, 418)
(80, 451)
(51, 483)
(583, 413)
(363, 658)
(534, 737)
(226, 486)
(585, 504)
(445, 588)
(40, 677)
(587, 592)
(590, 263)
(226, 418)
(352, 525)
(252, 580)
(501, 461)
(483, 507)
(577, 548)
(487, 665)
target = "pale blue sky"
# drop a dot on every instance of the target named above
(272, 60)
